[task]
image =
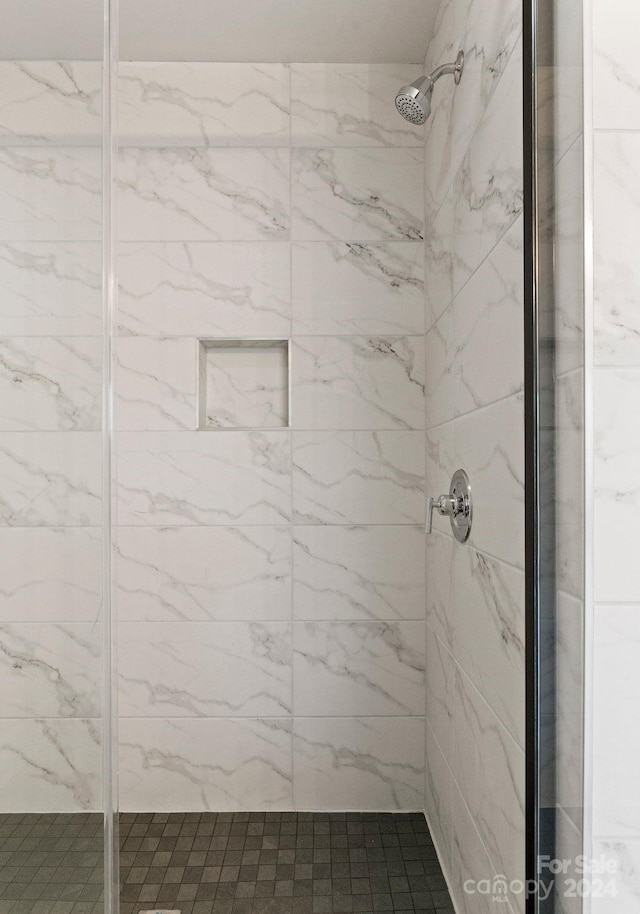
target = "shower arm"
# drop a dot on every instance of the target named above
(448, 69)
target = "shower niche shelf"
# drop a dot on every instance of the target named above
(244, 384)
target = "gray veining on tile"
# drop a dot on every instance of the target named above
(359, 382)
(49, 102)
(50, 574)
(358, 477)
(350, 105)
(50, 762)
(358, 573)
(344, 288)
(204, 669)
(50, 479)
(195, 194)
(50, 194)
(195, 574)
(355, 195)
(50, 670)
(203, 104)
(200, 764)
(204, 289)
(195, 478)
(50, 384)
(373, 763)
(358, 668)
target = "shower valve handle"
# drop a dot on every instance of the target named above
(444, 505)
(457, 506)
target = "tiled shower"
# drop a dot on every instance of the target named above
(311, 332)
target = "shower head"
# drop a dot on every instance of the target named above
(414, 101)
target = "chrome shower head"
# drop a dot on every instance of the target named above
(414, 101)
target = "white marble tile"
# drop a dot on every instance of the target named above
(561, 300)
(559, 101)
(156, 383)
(50, 669)
(196, 764)
(617, 484)
(204, 669)
(350, 105)
(470, 863)
(616, 71)
(439, 137)
(440, 549)
(203, 289)
(51, 289)
(561, 198)
(569, 846)
(52, 194)
(440, 689)
(358, 382)
(357, 194)
(485, 755)
(188, 194)
(569, 758)
(196, 574)
(215, 478)
(50, 479)
(203, 104)
(440, 360)
(489, 444)
(342, 288)
(488, 326)
(623, 855)
(374, 763)
(358, 477)
(437, 801)
(440, 457)
(570, 662)
(568, 488)
(616, 242)
(50, 574)
(50, 384)
(441, 40)
(358, 668)
(489, 34)
(244, 384)
(439, 258)
(50, 765)
(50, 102)
(358, 573)
(489, 182)
(616, 739)
(488, 634)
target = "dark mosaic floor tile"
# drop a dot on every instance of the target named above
(225, 863)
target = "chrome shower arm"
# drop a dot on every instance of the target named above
(449, 69)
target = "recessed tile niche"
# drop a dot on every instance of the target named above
(244, 384)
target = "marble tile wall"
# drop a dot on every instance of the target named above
(271, 582)
(616, 676)
(50, 442)
(474, 414)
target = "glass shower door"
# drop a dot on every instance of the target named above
(558, 335)
(53, 605)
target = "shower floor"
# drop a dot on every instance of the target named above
(51, 863)
(279, 863)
